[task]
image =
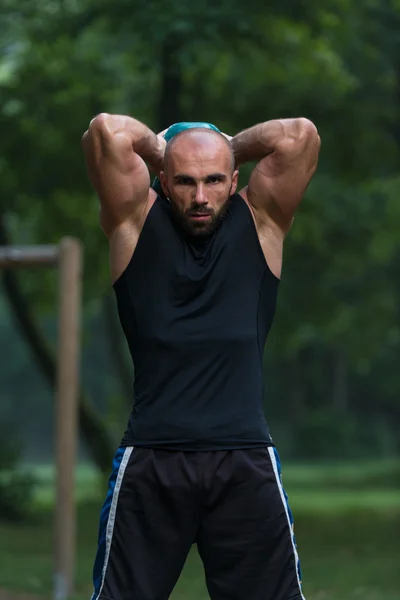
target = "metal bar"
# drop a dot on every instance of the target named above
(66, 435)
(28, 256)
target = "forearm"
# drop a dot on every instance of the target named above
(142, 140)
(255, 143)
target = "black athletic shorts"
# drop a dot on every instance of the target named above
(230, 503)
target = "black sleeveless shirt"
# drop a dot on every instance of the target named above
(196, 314)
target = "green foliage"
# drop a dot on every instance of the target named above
(16, 487)
(238, 63)
(325, 432)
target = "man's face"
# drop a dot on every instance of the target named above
(199, 179)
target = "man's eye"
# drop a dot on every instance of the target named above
(184, 181)
(214, 179)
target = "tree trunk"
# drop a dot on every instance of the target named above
(94, 432)
(340, 391)
(123, 370)
(171, 85)
(297, 389)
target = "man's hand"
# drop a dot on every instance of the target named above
(157, 163)
(163, 145)
(228, 137)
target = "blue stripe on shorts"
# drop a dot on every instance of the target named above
(104, 514)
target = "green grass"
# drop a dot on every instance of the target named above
(348, 536)
(327, 485)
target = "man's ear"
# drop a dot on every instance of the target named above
(163, 181)
(235, 178)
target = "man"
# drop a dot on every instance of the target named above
(196, 269)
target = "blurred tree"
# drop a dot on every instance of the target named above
(94, 431)
(16, 487)
(234, 64)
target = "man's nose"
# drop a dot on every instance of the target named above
(200, 197)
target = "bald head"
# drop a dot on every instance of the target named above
(199, 144)
(199, 179)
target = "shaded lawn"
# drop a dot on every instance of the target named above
(348, 542)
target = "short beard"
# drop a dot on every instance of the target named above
(200, 230)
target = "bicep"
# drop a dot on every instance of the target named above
(119, 175)
(278, 182)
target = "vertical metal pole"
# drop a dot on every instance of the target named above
(70, 272)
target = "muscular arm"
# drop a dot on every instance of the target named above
(287, 154)
(117, 149)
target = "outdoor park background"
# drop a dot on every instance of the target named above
(332, 373)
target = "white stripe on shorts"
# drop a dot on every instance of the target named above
(113, 510)
(280, 487)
